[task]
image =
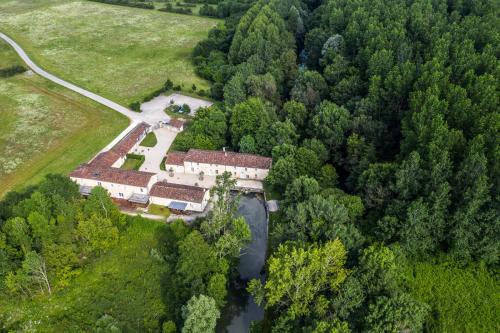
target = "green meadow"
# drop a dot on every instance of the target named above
(119, 52)
(45, 128)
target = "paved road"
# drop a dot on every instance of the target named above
(133, 116)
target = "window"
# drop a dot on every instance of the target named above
(142, 190)
(216, 172)
(120, 194)
(192, 169)
(246, 169)
(99, 183)
(255, 176)
(248, 176)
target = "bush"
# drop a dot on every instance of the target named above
(202, 93)
(169, 8)
(168, 85)
(177, 88)
(186, 108)
(135, 106)
(128, 3)
(12, 70)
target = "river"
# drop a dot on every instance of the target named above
(241, 309)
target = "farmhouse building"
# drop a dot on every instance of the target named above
(104, 171)
(176, 125)
(179, 197)
(212, 163)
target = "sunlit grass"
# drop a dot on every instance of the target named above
(120, 52)
(45, 128)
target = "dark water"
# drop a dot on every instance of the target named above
(241, 309)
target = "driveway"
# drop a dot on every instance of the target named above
(154, 155)
(159, 103)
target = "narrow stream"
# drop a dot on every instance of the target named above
(241, 309)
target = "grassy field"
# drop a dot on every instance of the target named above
(119, 52)
(45, 128)
(461, 299)
(150, 140)
(124, 283)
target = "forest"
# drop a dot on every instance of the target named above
(382, 120)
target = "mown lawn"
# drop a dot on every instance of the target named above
(158, 210)
(461, 299)
(119, 52)
(132, 162)
(124, 283)
(150, 140)
(45, 128)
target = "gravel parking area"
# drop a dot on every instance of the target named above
(158, 104)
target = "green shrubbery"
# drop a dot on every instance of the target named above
(128, 3)
(171, 9)
(12, 70)
(133, 162)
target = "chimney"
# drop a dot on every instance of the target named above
(224, 150)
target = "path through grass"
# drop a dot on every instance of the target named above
(118, 52)
(45, 128)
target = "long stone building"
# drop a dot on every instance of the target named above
(212, 163)
(142, 188)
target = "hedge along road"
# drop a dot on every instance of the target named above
(134, 117)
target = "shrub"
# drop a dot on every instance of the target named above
(177, 88)
(135, 106)
(168, 85)
(128, 3)
(12, 70)
(202, 93)
(186, 108)
(169, 8)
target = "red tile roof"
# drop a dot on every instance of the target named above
(178, 192)
(133, 137)
(105, 159)
(175, 158)
(228, 158)
(113, 175)
(177, 123)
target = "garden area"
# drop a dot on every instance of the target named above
(158, 210)
(133, 162)
(157, 45)
(150, 140)
(46, 128)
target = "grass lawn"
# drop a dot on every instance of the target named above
(132, 162)
(158, 210)
(150, 140)
(45, 128)
(461, 299)
(124, 283)
(119, 52)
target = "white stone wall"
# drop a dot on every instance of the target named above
(175, 167)
(217, 169)
(118, 191)
(193, 206)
